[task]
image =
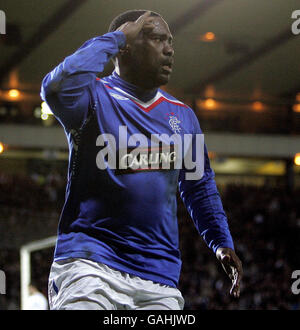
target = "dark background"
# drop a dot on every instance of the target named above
(249, 72)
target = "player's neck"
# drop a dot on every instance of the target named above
(137, 80)
(130, 86)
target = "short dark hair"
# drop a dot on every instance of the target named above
(128, 16)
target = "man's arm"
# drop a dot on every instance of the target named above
(69, 88)
(203, 202)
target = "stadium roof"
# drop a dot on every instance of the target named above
(254, 54)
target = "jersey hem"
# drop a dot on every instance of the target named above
(100, 259)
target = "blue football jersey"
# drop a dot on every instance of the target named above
(126, 217)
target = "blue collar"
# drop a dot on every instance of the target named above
(131, 89)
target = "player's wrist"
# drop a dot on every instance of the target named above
(121, 39)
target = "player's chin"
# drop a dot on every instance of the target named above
(163, 78)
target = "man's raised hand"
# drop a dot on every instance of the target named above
(132, 29)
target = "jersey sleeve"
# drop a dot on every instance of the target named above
(203, 202)
(69, 89)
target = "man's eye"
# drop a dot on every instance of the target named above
(156, 39)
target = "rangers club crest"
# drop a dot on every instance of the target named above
(174, 122)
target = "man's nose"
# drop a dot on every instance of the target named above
(168, 49)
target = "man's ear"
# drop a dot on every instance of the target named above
(125, 50)
(124, 55)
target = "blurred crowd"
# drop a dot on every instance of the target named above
(265, 225)
(30, 206)
(264, 222)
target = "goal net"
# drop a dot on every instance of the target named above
(25, 264)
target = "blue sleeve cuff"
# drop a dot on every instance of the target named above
(121, 38)
(228, 244)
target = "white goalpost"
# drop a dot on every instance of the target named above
(25, 263)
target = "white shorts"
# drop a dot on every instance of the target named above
(83, 284)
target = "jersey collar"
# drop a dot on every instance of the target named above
(131, 89)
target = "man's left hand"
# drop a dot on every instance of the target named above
(233, 268)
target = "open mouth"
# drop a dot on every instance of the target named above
(167, 67)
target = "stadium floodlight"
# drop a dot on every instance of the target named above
(13, 94)
(45, 109)
(25, 264)
(296, 107)
(297, 159)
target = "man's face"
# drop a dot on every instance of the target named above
(151, 55)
